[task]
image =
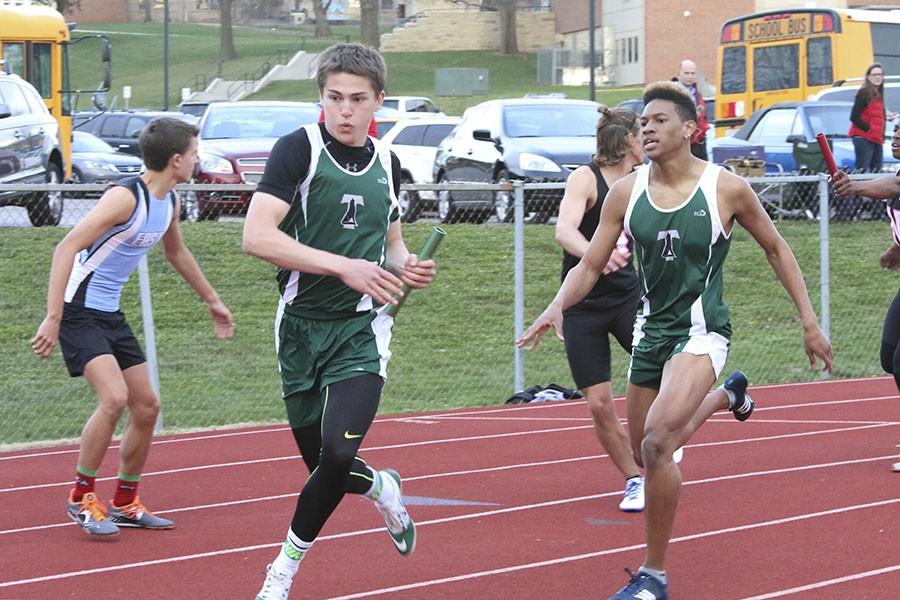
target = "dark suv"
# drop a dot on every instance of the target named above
(121, 128)
(29, 150)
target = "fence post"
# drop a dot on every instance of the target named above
(519, 280)
(149, 332)
(824, 258)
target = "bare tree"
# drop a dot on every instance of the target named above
(320, 11)
(147, 5)
(226, 47)
(506, 10)
(63, 6)
(368, 23)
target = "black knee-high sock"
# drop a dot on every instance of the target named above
(890, 349)
(349, 411)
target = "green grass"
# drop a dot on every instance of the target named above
(194, 53)
(452, 343)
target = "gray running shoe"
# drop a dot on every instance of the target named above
(90, 515)
(137, 515)
(400, 525)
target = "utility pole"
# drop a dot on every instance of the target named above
(165, 54)
(591, 50)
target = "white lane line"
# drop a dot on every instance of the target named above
(567, 559)
(477, 515)
(363, 451)
(780, 471)
(826, 583)
(470, 411)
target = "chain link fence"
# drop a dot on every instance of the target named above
(453, 343)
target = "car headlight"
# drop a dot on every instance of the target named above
(535, 162)
(94, 165)
(213, 163)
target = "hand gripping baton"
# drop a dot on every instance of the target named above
(431, 244)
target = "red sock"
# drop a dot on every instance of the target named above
(83, 485)
(126, 491)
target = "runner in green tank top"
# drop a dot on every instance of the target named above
(680, 212)
(325, 213)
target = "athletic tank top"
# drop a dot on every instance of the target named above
(100, 271)
(893, 211)
(341, 212)
(615, 288)
(681, 252)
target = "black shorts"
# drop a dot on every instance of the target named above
(587, 341)
(85, 334)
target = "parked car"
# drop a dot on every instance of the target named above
(95, 161)
(121, 128)
(845, 91)
(195, 108)
(529, 139)
(29, 150)
(412, 104)
(234, 144)
(779, 129)
(415, 143)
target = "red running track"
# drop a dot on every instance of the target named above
(797, 502)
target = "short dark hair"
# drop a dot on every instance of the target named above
(354, 59)
(667, 90)
(162, 138)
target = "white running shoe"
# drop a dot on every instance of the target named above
(399, 524)
(678, 455)
(277, 585)
(634, 495)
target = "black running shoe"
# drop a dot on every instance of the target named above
(743, 404)
(642, 587)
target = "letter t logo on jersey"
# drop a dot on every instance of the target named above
(668, 251)
(348, 221)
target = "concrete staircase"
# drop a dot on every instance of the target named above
(301, 66)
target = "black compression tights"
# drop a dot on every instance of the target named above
(329, 451)
(890, 349)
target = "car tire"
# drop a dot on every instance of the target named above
(190, 209)
(47, 208)
(503, 200)
(447, 210)
(76, 178)
(410, 203)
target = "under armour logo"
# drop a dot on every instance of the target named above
(668, 251)
(348, 221)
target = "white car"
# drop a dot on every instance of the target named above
(846, 92)
(415, 142)
(412, 104)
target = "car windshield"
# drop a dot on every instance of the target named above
(85, 142)
(550, 120)
(256, 121)
(834, 121)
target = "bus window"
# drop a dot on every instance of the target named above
(886, 46)
(776, 67)
(39, 68)
(818, 61)
(13, 57)
(734, 70)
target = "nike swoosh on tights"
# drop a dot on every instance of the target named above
(352, 436)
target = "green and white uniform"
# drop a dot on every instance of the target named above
(681, 252)
(326, 331)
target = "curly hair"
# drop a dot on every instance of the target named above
(667, 90)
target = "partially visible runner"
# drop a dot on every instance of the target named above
(608, 309)
(326, 214)
(680, 211)
(90, 267)
(886, 186)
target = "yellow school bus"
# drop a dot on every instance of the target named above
(786, 55)
(34, 43)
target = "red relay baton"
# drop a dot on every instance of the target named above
(826, 152)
